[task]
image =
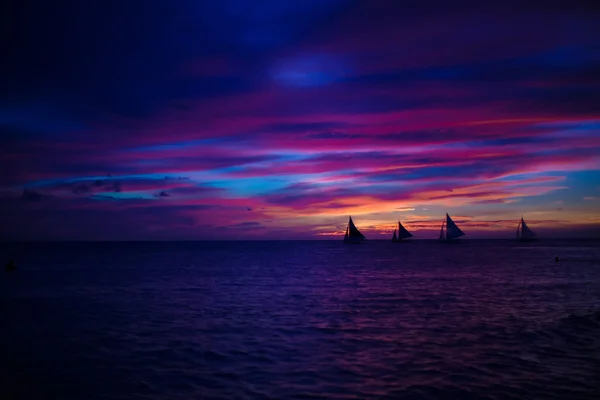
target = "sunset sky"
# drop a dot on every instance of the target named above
(233, 119)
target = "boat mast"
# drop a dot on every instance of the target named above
(347, 230)
(442, 236)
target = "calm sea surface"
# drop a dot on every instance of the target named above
(301, 320)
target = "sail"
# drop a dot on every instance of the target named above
(394, 238)
(402, 232)
(452, 231)
(353, 235)
(354, 232)
(526, 233)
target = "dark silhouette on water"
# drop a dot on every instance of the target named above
(10, 266)
(402, 233)
(353, 235)
(450, 230)
(524, 234)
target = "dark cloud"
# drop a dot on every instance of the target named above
(31, 196)
(150, 46)
(335, 135)
(86, 187)
(80, 188)
(303, 127)
(246, 226)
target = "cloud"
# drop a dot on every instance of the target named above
(31, 196)
(246, 226)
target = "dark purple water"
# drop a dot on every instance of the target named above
(308, 320)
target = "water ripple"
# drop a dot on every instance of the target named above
(485, 320)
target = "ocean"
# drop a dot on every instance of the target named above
(479, 319)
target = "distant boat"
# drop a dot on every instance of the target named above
(353, 235)
(402, 233)
(525, 234)
(449, 230)
(10, 266)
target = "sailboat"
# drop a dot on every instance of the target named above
(402, 233)
(524, 234)
(353, 235)
(450, 230)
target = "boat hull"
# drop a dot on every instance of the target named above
(454, 240)
(526, 239)
(354, 241)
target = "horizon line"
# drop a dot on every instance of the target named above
(274, 240)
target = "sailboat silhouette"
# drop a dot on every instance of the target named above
(525, 234)
(353, 235)
(450, 230)
(403, 233)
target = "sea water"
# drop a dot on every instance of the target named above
(297, 320)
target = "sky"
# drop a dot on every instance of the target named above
(239, 119)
